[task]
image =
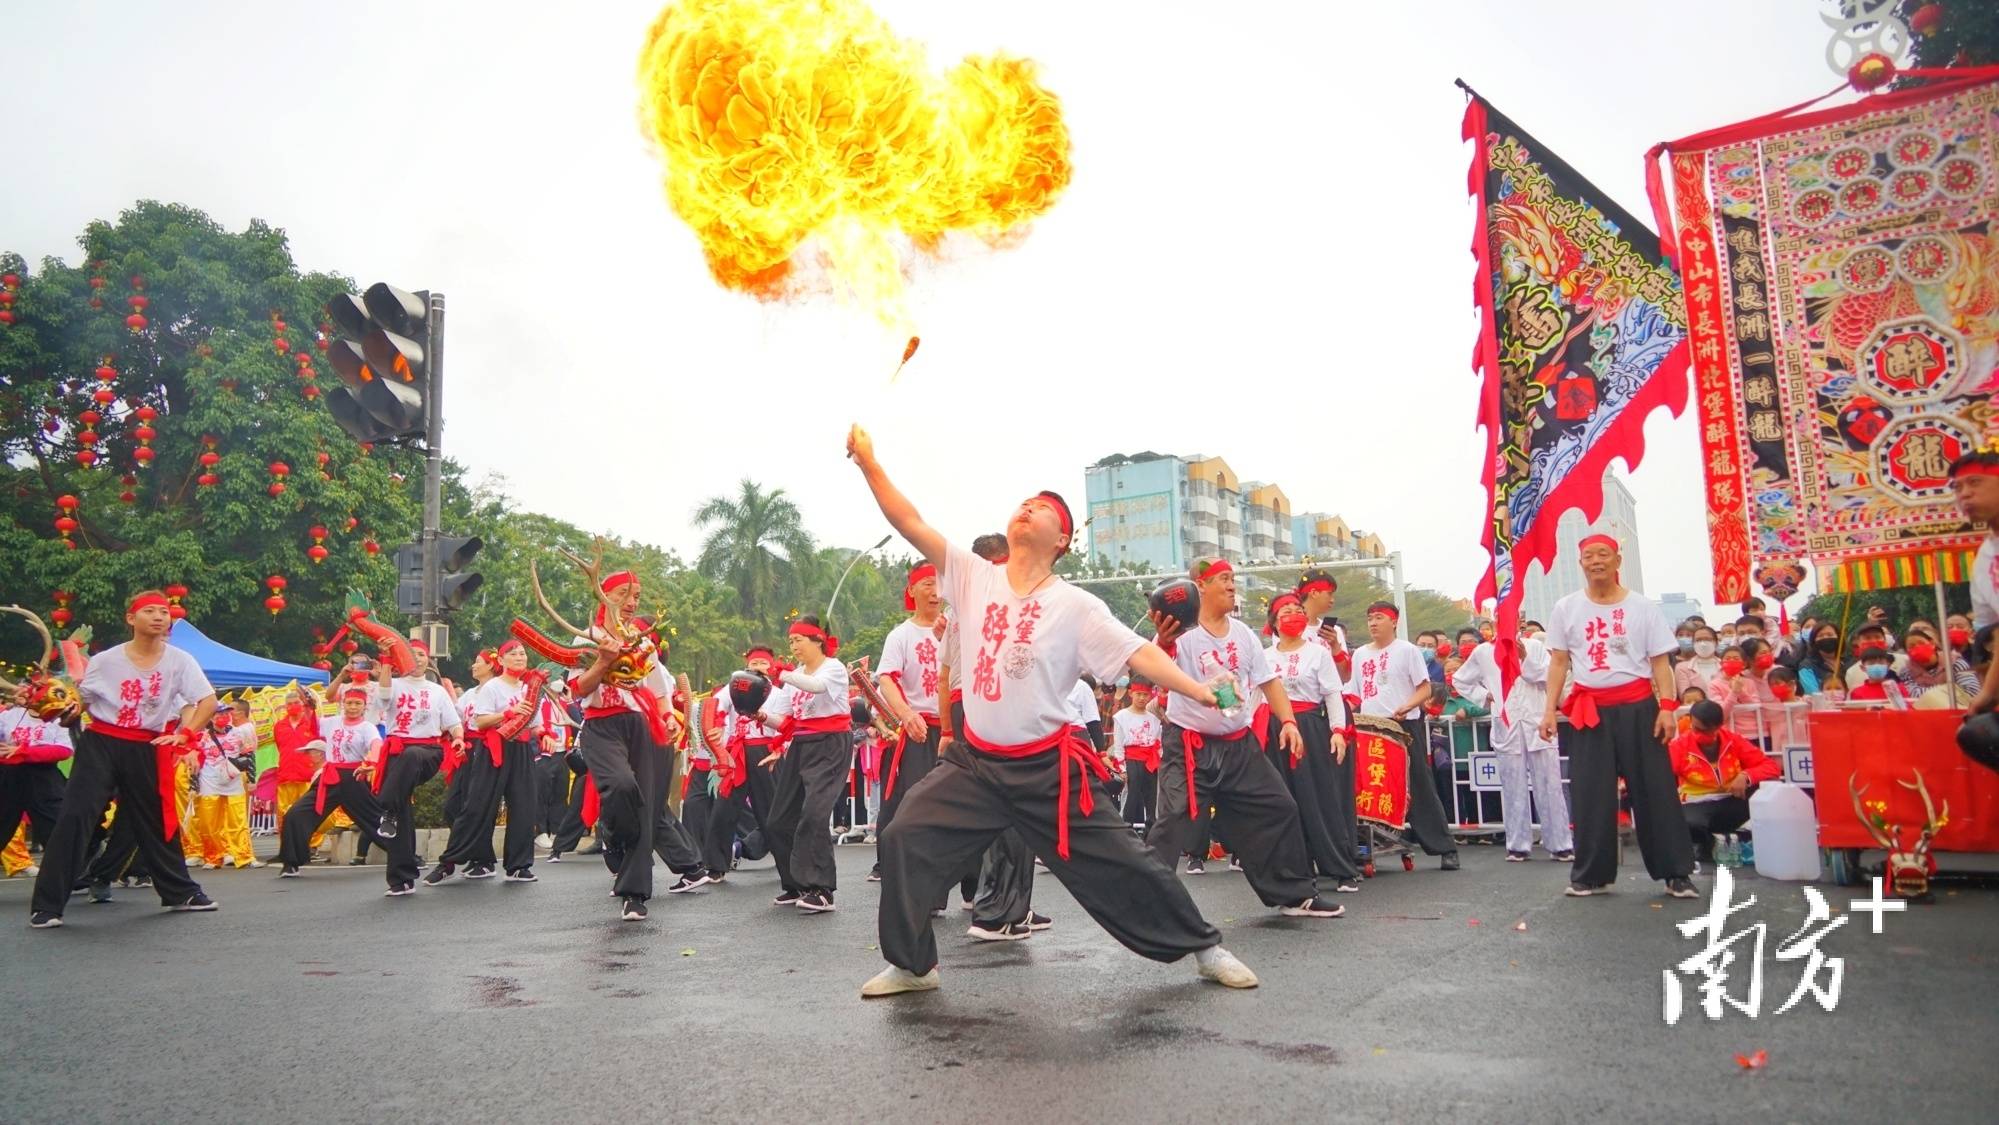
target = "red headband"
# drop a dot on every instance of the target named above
(826, 640)
(491, 657)
(768, 654)
(420, 646)
(506, 646)
(613, 581)
(354, 689)
(1386, 611)
(1313, 587)
(146, 601)
(1140, 689)
(1219, 566)
(1975, 469)
(1284, 602)
(917, 574)
(1599, 541)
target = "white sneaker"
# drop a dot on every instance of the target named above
(544, 841)
(255, 863)
(207, 866)
(894, 980)
(32, 870)
(1219, 965)
(1012, 931)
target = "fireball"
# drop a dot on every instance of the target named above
(790, 125)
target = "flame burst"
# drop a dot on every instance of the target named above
(786, 121)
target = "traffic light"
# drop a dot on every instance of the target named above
(455, 585)
(382, 355)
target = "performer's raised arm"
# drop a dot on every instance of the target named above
(901, 514)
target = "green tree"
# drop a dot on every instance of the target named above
(1966, 33)
(119, 416)
(753, 540)
(1903, 606)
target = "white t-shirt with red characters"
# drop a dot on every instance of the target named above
(1609, 645)
(114, 690)
(346, 742)
(495, 697)
(1985, 584)
(1134, 728)
(21, 729)
(1201, 655)
(830, 700)
(911, 656)
(1310, 677)
(419, 709)
(218, 776)
(1385, 677)
(1020, 656)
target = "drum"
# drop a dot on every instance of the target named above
(1381, 771)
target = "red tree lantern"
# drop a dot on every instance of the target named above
(275, 603)
(128, 497)
(138, 281)
(323, 665)
(282, 345)
(6, 316)
(145, 413)
(1926, 20)
(87, 437)
(106, 373)
(86, 457)
(67, 502)
(280, 470)
(98, 283)
(207, 480)
(136, 323)
(277, 489)
(104, 396)
(137, 302)
(175, 592)
(10, 280)
(370, 546)
(311, 392)
(209, 459)
(60, 616)
(352, 523)
(66, 527)
(90, 417)
(316, 553)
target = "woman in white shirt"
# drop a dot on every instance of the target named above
(821, 752)
(1321, 780)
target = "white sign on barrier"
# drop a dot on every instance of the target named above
(1798, 765)
(1485, 771)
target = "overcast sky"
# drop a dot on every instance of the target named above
(1267, 219)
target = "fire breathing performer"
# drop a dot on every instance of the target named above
(504, 715)
(1321, 779)
(819, 748)
(1392, 681)
(422, 725)
(1211, 755)
(146, 701)
(1528, 763)
(908, 675)
(1613, 643)
(1026, 637)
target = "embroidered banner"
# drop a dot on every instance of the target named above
(1843, 290)
(1381, 772)
(1583, 335)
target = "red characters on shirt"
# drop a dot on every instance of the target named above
(985, 670)
(1597, 648)
(926, 657)
(1368, 670)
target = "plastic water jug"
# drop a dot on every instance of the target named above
(1787, 832)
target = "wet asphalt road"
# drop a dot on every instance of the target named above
(319, 1000)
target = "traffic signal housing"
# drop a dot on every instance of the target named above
(382, 354)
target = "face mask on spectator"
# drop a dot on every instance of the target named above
(1765, 661)
(1960, 638)
(1686, 643)
(1782, 691)
(1827, 645)
(1703, 648)
(1731, 667)
(1877, 672)
(1727, 638)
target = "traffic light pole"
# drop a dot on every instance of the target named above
(433, 481)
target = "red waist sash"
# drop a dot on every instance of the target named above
(391, 746)
(1191, 741)
(163, 764)
(1584, 701)
(1144, 753)
(1070, 749)
(895, 758)
(326, 776)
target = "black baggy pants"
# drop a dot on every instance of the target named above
(1323, 789)
(486, 785)
(630, 770)
(570, 831)
(34, 791)
(105, 767)
(1006, 883)
(401, 775)
(752, 798)
(969, 799)
(671, 841)
(551, 779)
(799, 825)
(1254, 814)
(346, 793)
(1622, 744)
(916, 761)
(1427, 822)
(1141, 794)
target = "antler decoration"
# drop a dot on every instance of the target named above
(1881, 837)
(593, 572)
(49, 650)
(534, 577)
(1933, 821)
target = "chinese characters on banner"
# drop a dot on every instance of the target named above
(1380, 779)
(1844, 300)
(1584, 334)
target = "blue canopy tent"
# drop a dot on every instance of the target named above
(226, 668)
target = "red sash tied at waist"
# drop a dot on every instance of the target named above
(793, 727)
(1259, 723)
(391, 746)
(1584, 701)
(325, 782)
(694, 766)
(895, 758)
(1070, 748)
(1144, 753)
(647, 708)
(163, 764)
(1191, 741)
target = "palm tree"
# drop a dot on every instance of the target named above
(753, 539)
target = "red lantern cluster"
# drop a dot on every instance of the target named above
(9, 285)
(276, 602)
(61, 615)
(138, 301)
(175, 593)
(279, 471)
(145, 434)
(66, 524)
(1925, 21)
(317, 552)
